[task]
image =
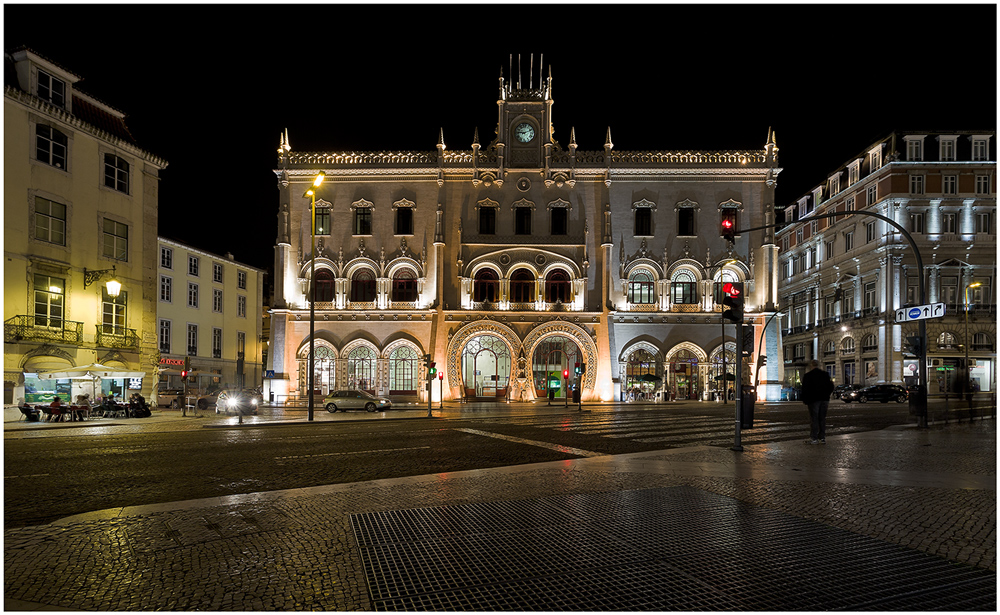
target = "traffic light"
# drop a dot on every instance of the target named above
(566, 374)
(728, 227)
(913, 346)
(440, 375)
(732, 302)
(431, 370)
(577, 369)
(763, 359)
(184, 375)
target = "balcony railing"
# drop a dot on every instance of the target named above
(642, 307)
(402, 305)
(41, 328)
(117, 337)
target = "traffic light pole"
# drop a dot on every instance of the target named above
(738, 443)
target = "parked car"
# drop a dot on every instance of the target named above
(841, 390)
(169, 398)
(237, 401)
(355, 400)
(878, 392)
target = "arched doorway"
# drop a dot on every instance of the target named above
(486, 367)
(552, 357)
(682, 374)
(720, 383)
(640, 380)
(403, 365)
(361, 369)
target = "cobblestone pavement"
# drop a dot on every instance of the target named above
(922, 492)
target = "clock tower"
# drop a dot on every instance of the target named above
(524, 127)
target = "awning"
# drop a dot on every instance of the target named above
(90, 372)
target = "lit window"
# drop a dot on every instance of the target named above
(362, 221)
(113, 313)
(916, 184)
(949, 184)
(322, 220)
(640, 288)
(165, 336)
(49, 301)
(192, 295)
(166, 289)
(683, 288)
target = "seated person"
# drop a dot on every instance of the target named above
(55, 411)
(30, 414)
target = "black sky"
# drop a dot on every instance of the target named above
(210, 87)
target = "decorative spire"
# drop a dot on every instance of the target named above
(607, 140)
(572, 137)
(475, 138)
(440, 143)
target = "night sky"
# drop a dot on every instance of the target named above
(210, 88)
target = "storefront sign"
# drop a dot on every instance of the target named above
(165, 361)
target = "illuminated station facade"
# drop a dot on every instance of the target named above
(514, 263)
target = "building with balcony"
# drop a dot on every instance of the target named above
(208, 318)
(511, 262)
(844, 277)
(80, 207)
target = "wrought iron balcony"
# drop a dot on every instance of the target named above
(116, 337)
(42, 328)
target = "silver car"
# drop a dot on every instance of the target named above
(355, 400)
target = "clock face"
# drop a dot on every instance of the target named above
(524, 133)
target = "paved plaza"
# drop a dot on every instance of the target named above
(898, 519)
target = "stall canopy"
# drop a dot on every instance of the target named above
(93, 372)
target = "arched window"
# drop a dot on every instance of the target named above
(522, 286)
(557, 286)
(403, 364)
(324, 285)
(683, 288)
(981, 341)
(404, 285)
(361, 369)
(363, 285)
(946, 341)
(847, 346)
(870, 343)
(829, 348)
(640, 287)
(486, 286)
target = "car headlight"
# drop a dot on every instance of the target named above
(253, 401)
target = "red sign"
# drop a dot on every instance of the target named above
(171, 361)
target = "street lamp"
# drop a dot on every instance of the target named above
(113, 286)
(968, 372)
(311, 193)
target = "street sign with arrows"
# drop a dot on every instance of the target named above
(920, 312)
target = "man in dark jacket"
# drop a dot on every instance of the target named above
(816, 389)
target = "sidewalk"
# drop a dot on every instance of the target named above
(900, 519)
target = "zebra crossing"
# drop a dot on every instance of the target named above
(665, 429)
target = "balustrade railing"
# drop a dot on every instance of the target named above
(117, 337)
(36, 328)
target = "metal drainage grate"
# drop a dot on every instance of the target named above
(677, 548)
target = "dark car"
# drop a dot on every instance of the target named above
(841, 390)
(355, 400)
(878, 392)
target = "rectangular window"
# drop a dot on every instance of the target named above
(50, 146)
(914, 150)
(949, 184)
(216, 300)
(872, 194)
(685, 222)
(166, 289)
(643, 226)
(363, 221)
(559, 220)
(849, 204)
(113, 313)
(51, 89)
(984, 223)
(916, 223)
(912, 290)
(165, 336)
(192, 340)
(949, 290)
(217, 272)
(870, 295)
(166, 258)
(322, 220)
(193, 263)
(192, 295)
(241, 279)
(947, 150)
(404, 220)
(241, 306)
(684, 292)
(50, 221)
(982, 184)
(916, 184)
(49, 300)
(870, 234)
(116, 173)
(948, 223)
(216, 343)
(487, 220)
(829, 249)
(875, 159)
(834, 185)
(522, 220)
(241, 344)
(115, 240)
(853, 173)
(980, 149)
(848, 241)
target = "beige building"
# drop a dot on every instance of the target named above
(845, 278)
(209, 317)
(80, 207)
(509, 263)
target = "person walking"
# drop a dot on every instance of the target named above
(816, 390)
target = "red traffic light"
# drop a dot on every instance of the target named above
(566, 373)
(731, 289)
(727, 224)
(440, 375)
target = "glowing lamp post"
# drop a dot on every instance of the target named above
(311, 193)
